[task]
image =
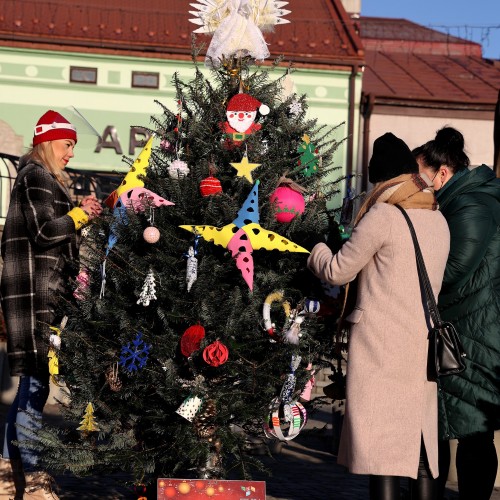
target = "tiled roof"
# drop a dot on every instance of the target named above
(384, 28)
(320, 31)
(403, 64)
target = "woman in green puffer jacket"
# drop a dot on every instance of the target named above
(469, 403)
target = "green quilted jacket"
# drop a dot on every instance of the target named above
(470, 298)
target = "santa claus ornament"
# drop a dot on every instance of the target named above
(241, 113)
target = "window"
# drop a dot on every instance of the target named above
(145, 80)
(82, 75)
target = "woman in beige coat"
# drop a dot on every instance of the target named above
(390, 425)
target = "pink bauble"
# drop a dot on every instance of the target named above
(151, 234)
(287, 203)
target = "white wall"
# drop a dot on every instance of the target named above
(416, 130)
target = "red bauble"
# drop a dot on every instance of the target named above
(191, 339)
(287, 203)
(216, 354)
(210, 185)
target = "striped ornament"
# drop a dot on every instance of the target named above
(210, 186)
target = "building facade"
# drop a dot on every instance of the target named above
(418, 80)
(113, 62)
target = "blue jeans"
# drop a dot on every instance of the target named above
(25, 419)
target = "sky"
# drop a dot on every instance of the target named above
(475, 20)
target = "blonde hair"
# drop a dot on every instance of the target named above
(44, 155)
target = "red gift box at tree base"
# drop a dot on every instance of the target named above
(191, 489)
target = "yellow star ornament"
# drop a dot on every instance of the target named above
(245, 168)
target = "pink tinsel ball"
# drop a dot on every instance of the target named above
(287, 203)
(151, 234)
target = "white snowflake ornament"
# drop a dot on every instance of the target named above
(295, 108)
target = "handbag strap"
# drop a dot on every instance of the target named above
(422, 273)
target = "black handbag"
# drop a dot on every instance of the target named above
(446, 354)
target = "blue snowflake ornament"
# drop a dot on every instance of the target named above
(135, 354)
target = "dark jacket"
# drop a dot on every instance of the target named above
(39, 242)
(470, 298)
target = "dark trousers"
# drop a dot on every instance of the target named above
(476, 463)
(422, 488)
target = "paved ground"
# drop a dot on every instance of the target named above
(304, 468)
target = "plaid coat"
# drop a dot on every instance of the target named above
(39, 246)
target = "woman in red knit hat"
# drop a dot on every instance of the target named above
(40, 244)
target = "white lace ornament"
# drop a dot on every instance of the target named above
(237, 26)
(148, 292)
(191, 268)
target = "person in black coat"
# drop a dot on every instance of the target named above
(40, 242)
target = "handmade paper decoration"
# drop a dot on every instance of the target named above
(178, 169)
(132, 178)
(140, 198)
(292, 335)
(192, 264)
(167, 146)
(287, 86)
(288, 387)
(288, 91)
(286, 417)
(244, 235)
(83, 283)
(191, 339)
(288, 203)
(190, 407)
(244, 168)
(55, 345)
(151, 235)
(305, 395)
(112, 378)
(266, 311)
(237, 26)
(216, 354)
(148, 292)
(309, 157)
(210, 186)
(241, 113)
(135, 354)
(311, 306)
(295, 108)
(130, 194)
(88, 423)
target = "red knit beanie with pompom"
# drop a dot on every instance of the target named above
(52, 126)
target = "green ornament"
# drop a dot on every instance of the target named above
(308, 159)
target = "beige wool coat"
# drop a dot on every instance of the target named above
(390, 404)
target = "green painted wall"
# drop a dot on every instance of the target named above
(32, 81)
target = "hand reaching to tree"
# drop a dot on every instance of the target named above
(91, 206)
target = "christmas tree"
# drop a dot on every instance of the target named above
(197, 326)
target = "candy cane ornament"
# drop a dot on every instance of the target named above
(266, 311)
